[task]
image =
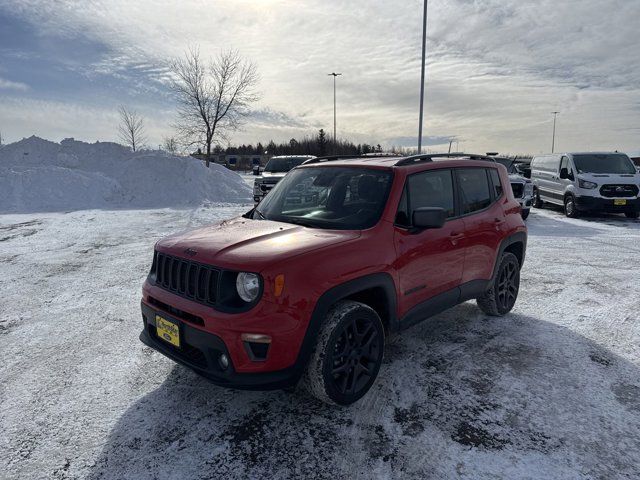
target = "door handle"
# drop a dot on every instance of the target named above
(498, 221)
(455, 236)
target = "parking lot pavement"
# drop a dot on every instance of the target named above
(549, 391)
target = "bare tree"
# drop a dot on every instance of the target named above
(131, 128)
(170, 144)
(213, 97)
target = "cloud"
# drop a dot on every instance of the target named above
(9, 85)
(496, 68)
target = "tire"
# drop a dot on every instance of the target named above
(502, 296)
(525, 213)
(537, 203)
(633, 214)
(570, 209)
(347, 356)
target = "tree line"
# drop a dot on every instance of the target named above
(318, 145)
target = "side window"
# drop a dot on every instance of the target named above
(474, 189)
(433, 188)
(564, 163)
(497, 184)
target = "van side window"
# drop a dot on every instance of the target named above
(564, 163)
(474, 189)
(497, 184)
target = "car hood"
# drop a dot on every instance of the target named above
(273, 174)
(514, 177)
(252, 245)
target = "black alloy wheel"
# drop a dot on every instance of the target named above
(508, 285)
(356, 356)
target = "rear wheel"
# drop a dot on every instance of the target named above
(570, 209)
(632, 214)
(501, 297)
(525, 213)
(347, 356)
(537, 203)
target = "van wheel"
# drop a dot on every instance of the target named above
(525, 213)
(501, 297)
(347, 355)
(570, 209)
(632, 214)
(537, 203)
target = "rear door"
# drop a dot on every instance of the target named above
(429, 262)
(484, 220)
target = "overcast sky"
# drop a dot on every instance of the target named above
(496, 68)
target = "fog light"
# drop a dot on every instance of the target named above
(223, 360)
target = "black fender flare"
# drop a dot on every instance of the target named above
(337, 293)
(518, 237)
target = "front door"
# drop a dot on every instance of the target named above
(429, 262)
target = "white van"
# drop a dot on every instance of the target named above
(580, 182)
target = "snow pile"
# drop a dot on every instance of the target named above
(39, 175)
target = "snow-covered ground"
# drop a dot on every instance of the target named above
(549, 391)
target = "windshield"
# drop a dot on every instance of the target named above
(508, 163)
(279, 165)
(604, 163)
(340, 198)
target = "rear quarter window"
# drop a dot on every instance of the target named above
(475, 192)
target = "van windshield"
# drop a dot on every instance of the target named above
(604, 163)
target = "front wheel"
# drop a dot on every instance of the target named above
(347, 356)
(502, 295)
(525, 213)
(537, 202)
(570, 209)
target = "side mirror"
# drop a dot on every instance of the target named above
(566, 174)
(428, 217)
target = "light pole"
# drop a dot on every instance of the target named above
(334, 75)
(553, 139)
(424, 51)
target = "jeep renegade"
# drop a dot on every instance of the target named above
(303, 288)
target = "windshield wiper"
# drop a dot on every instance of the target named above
(260, 214)
(298, 221)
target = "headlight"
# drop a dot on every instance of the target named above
(586, 184)
(248, 286)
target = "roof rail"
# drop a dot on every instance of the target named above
(430, 156)
(330, 158)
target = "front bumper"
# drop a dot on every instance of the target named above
(201, 351)
(600, 204)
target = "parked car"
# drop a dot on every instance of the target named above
(522, 187)
(274, 170)
(305, 286)
(587, 182)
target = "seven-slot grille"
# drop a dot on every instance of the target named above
(188, 279)
(518, 189)
(612, 191)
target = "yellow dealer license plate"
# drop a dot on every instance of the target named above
(168, 331)
(619, 202)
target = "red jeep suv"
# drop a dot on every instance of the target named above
(304, 287)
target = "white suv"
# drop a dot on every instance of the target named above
(580, 182)
(275, 169)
